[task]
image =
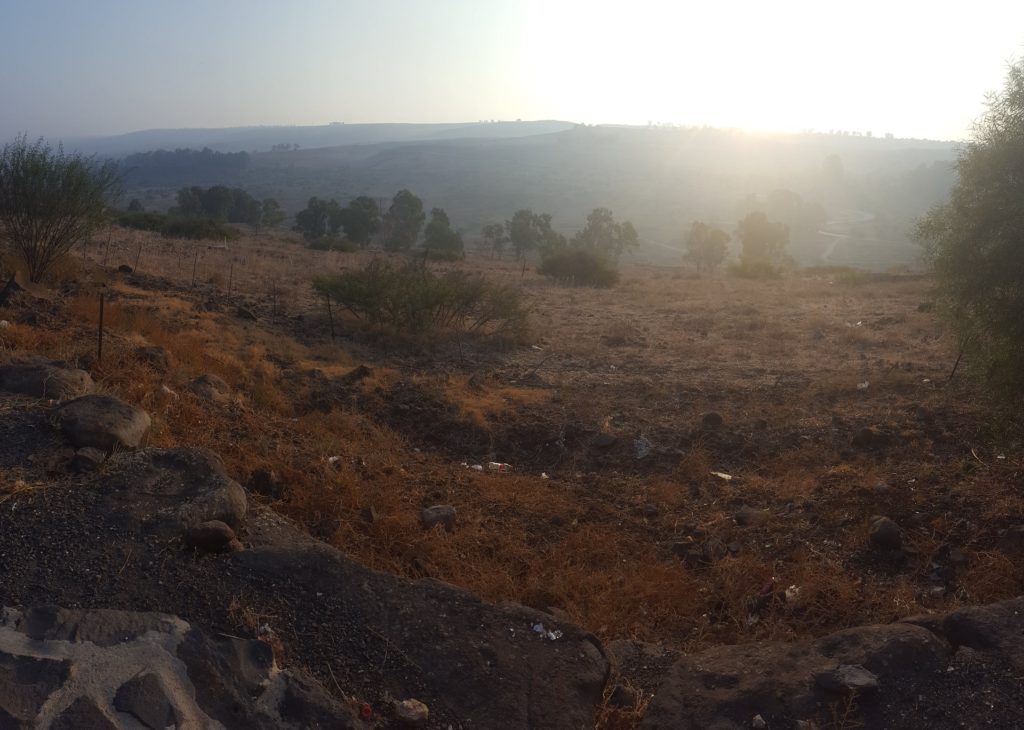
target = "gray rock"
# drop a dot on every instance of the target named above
(847, 678)
(884, 534)
(411, 712)
(439, 514)
(723, 687)
(83, 714)
(41, 378)
(751, 516)
(191, 679)
(145, 698)
(176, 489)
(712, 420)
(86, 460)
(212, 388)
(103, 422)
(212, 536)
(604, 441)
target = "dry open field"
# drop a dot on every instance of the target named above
(832, 390)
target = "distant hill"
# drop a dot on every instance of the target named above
(260, 139)
(848, 200)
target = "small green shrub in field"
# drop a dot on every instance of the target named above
(197, 228)
(413, 300)
(578, 266)
(331, 243)
(174, 226)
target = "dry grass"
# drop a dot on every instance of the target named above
(779, 360)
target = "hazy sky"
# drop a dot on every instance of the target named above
(82, 67)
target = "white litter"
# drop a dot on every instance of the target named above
(544, 475)
(863, 386)
(499, 466)
(477, 467)
(722, 475)
(545, 634)
(4, 324)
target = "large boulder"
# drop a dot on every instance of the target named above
(103, 422)
(176, 489)
(787, 683)
(42, 378)
(63, 668)
(504, 667)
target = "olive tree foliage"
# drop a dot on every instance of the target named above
(603, 234)
(975, 244)
(496, 237)
(50, 200)
(403, 221)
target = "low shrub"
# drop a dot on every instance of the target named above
(173, 226)
(579, 267)
(331, 243)
(411, 299)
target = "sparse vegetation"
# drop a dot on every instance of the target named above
(413, 300)
(50, 201)
(974, 244)
(579, 267)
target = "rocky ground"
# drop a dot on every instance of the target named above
(128, 539)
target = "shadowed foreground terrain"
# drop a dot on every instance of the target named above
(697, 464)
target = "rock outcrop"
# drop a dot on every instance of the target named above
(41, 378)
(925, 671)
(62, 668)
(103, 422)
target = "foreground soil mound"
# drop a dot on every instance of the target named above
(147, 588)
(957, 670)
(118, 538)
(117, 669)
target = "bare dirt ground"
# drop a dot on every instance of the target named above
(695, 461)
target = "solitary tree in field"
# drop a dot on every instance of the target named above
(496, 237)
(319, 219)
(763, 242)
(975, 243)
(50, 200)
(528, 231)
(706, 246)
(361, 220)
(439, 239)
(605, 235)
(271, 214)
(403, 221)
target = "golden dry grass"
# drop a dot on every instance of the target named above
(649, 356)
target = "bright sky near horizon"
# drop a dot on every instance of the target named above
(910, 67)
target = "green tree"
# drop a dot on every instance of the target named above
(763, 242)
(528, 231)
(706, 246)
(50, 201)
(602, 233)
(403, 221)
(361, 220)
(496, 237)
(439, 240)
(319, 219)
(975, 244)
(272, 216)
